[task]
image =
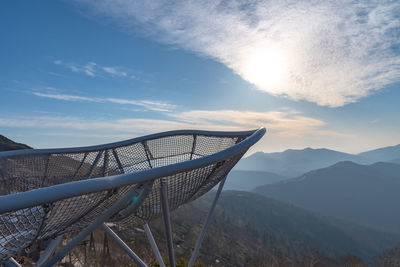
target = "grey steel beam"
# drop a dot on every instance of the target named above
(206, 223)
(129, 209)
(149, 156)
(11, 263)
(80, 165)
(46, 170)
(94, 164)
(193, 146)
(97, 222)
(153, 245)
(49, 250)
(120, 167)
(124, 246)
(167, 222)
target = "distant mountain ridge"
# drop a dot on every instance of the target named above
(248, 180)
(7, 144)
(389, 153)
(292, 163)
(396, 161)
(364, 194)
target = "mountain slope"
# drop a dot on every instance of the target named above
(389, 153)
(364, 194)
(397, 161)
(264, 216)
(245, 226)
(7, 144)
(248, 180)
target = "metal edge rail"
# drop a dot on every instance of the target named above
(53, 193)
(125, 142)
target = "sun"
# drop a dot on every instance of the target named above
(266, 68)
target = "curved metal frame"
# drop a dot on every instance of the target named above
(131, 141)
(56, 192)
(40, 196)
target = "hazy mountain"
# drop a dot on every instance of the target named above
(248, 180)
(365, 194)
(292, 162)
(389, 153)
(7, 144)
(245, 226)
(264, 217)
(397, 161)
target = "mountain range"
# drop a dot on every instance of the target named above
(364, 194)
(292, 163)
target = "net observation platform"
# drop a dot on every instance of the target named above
(48, 193)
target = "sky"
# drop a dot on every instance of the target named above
(313, 73)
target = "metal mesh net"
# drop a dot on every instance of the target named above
(20, 229)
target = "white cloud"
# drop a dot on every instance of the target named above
(88, 69)
(93, 69)
(148, 105)
(136, 126)
(66, 97)
(287, 123)
(114, 71)
(283, 122)
(330, 52)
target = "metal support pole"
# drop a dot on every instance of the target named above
(97, 222)
(167, 222)
(124, 246)
(106, 248)
(11, 263)
(153, 245)
(49, 250)
(206, 223)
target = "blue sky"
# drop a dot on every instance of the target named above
(88, 72)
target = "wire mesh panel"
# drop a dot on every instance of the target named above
(20, 229)
(184, 186)
(29, 170)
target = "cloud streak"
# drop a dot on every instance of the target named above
(328, 52)
(281, 123)
(286, 123)
(93, 69)
(148, 105)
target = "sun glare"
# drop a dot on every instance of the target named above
(266, 69)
